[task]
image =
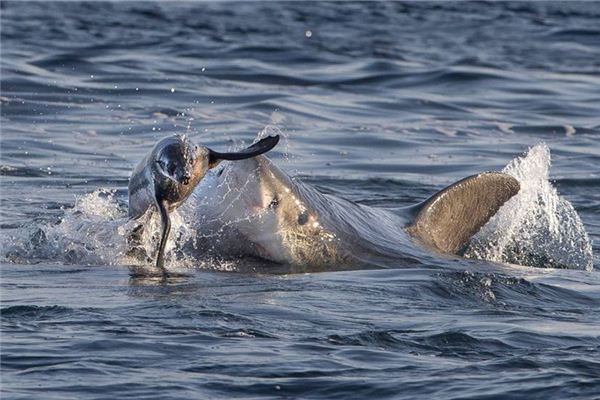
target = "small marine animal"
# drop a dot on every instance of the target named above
(167, 176)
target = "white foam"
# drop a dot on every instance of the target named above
(96, 232)
(537, 227)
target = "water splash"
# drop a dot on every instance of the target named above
(537, 227)
(96, 231)
(85, 234)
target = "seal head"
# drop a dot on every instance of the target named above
(177, 168)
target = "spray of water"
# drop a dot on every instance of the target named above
(537, 227)
(97, 231)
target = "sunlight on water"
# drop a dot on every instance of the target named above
(537, 227)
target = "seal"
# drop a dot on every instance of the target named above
(167, 176)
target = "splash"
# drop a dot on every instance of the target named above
(84, 234)
(96, 231)
(537, 227)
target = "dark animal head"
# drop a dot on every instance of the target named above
(178, 166)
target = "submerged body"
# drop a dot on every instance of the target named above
(252, 208)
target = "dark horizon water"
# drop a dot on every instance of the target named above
(381, 103)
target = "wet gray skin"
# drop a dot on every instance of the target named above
(167, 176)
(255, 209)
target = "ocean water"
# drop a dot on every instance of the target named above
(381, 103)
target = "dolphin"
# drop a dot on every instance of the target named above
(256, 209)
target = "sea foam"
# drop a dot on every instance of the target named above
(537, 227)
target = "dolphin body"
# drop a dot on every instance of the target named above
(252, 208)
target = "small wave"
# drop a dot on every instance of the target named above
(247, 333)
(24, 172)
(500, 293)
(573, 33)
(460, 344)
(380, 339)
(537, 227)
(31, 312)
(447, 344)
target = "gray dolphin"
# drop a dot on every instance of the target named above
(253, 208)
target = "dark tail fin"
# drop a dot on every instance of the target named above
(258, 148)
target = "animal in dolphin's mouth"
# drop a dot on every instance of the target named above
(167, 176)
(256, 209)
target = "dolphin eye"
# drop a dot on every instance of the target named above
(302, 218)
(274, 203)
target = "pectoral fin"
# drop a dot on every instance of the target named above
(166, 229)
(449, 219)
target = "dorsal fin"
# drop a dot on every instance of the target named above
(448, 219)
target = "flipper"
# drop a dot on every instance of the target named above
(448, 219)
(176, 167)
(166, 229)
(258, 148)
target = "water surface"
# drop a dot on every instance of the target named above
(381, 103)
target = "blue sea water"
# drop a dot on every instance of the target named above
(382, 103)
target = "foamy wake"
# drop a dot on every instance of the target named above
(97, 231)
(537, 227)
